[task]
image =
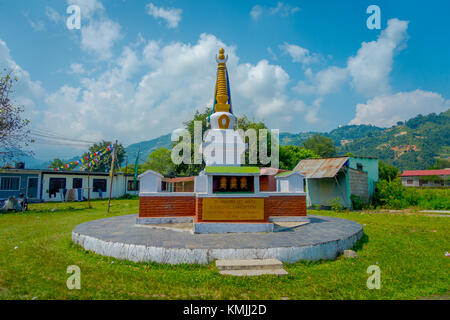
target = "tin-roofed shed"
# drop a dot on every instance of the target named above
(338, 178)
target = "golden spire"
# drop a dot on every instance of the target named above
(221, 94)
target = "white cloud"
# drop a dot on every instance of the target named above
(54, 15)
(88, 7)
(256, 12)
(284, 9)
(171, 15)
(26, 91)
(324, 82)
(299, 54)
(371, 66)
(312, 112)
(98, 37)
(151, 91)
(98, 33)
(35, 25)
(368, 70)
(281, 9)
(77, 68)
(387, 110)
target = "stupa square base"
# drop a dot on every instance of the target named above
(224, 227)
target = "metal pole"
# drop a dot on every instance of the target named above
(125, 174)
(112, 174)
(89, 186)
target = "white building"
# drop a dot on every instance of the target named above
(50, 185)
(426, 178)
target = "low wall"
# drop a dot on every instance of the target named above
(167, 205)
(199, 213)
(188, 204)
(285, 205)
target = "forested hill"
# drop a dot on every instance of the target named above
(411, 145)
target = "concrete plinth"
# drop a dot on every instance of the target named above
(223, 227)
(120, 237)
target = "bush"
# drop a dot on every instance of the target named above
(392, 195)
(356, 202)
(128, 196)
(336, 205)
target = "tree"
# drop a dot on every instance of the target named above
(14, 132)
(104, 163)
(245, 124)
(321, 145)
(386, 171)
(160, 161)
(290, 156)
(440, 164)
(242, 123)
(56, 163)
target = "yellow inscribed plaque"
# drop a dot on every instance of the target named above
(233, 209)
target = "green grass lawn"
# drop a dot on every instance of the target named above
(36, 249)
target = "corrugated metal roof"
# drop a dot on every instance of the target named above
(267, 171)
(411, 173)
(320, 168)
(181, 179)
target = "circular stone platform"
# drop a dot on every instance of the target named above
(120, 237)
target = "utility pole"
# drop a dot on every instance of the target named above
(111, 174)
(125, 174)
(89, 186)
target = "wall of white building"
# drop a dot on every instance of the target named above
(415, 181)
(119, 186)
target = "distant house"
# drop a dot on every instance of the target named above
(14, 182)
(426, 178)
(49, 185)
(180, 184)
(267, 180)
(338, 178)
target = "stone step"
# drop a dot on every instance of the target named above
(249, 264)
(254, 272)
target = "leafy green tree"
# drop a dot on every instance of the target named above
(290, 156)
(160, 161)
(440, 164)
(386, 171)
(104, 163)
(321, 145)
(56, 163)
(242, 123)
(14, 132)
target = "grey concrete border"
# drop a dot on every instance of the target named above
(161, 220)
(223, 227)
(323, 238)
(289, 219)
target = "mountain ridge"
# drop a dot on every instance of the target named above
(413, 144)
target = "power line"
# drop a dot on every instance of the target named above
(51, 135)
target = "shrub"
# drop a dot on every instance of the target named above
(356, 202)
(392, 195)
(336, 205)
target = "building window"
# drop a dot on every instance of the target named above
(131, 185)
(99, 184)
(55, 184)
(409, 181)
(359, 166)
(10, 183)
(77, 183)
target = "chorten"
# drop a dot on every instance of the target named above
(223, 146)
(227, 195)
(222, 116)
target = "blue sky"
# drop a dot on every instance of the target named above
(138, 69)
